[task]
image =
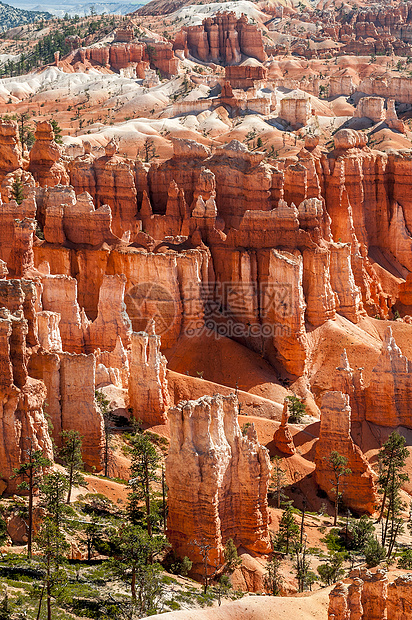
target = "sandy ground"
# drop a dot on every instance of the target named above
(261, 608)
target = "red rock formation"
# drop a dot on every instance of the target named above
(246, 75)
(222, 39)
(148, 394)
(370, 596)
(283, 437)
(78, 406)
(355, 599)
(372, 589)
(371, 107)
(283, 306)
(81, 171)
(22, 397)
(21, 261)
(400, 598)
(115, 187)
(11, 155)
(388, 397)
(45, 155)
(217, 480)
(60, 295)
(161, 55)
(295, 110)
(79, 222)
(112, 321)
(338, 603)
(317, 287)
(359, 492)
(350, 382)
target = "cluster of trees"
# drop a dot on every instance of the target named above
(135, 541)
(42, 53)
(359, 537)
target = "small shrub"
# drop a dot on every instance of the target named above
(374, 553)
(405, 559)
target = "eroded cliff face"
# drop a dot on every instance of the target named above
(271, 257)
(222, 39)
(22, 420)
(388, 395)
(148, 393)
(217, 480)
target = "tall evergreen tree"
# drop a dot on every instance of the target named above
(337, 463)
(52, 546)
(31, 474)
(57, 131)
(133, 563)
(143, 472)
(288, 532)
(391, 462)
(278, 481)
(71, 456)
(103, 406)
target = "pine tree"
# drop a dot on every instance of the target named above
(278, 480)
(71, 455)
(391, 462)
(31, 473)
(25, 131)
(133, 563)
(332, 570)
(297, 409)
(288, 530)
(17, 190)
(57, 131)
(143, 472)
(337, 463)
(52, 544)
(273, 580)
(231, 557)
(391, 459)
(103, 406)
(53, 493)
(92, 531)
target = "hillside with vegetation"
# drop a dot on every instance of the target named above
(10, 17)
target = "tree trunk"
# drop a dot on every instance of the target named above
(30, 533)
(69, 492)
(133, 586)
(335, 519)
(164, 499)
(205, 576)
(48, 591)
(385, 489)
(147, 498)
(302, 523)
(40, 601)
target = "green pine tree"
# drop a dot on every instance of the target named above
(71, 455)
(57, 131)
(17, 190)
